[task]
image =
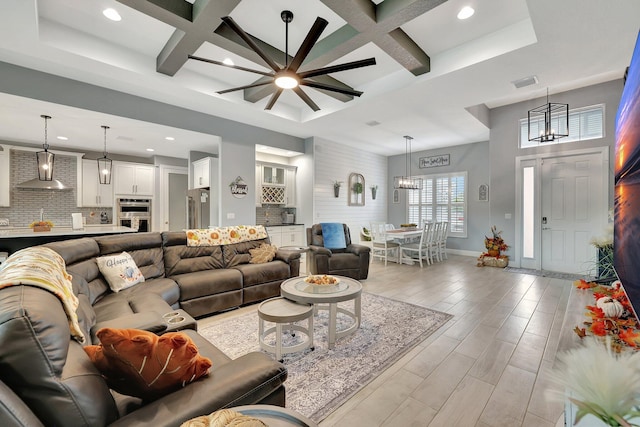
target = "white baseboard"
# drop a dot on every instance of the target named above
(463, 252)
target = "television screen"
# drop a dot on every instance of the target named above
(627, 184)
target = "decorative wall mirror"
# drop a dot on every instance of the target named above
(356, 189)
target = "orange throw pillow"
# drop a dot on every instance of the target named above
(142, 364)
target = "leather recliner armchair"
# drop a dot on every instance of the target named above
(353, 261)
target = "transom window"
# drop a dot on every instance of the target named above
(441, 197)
(584, 123)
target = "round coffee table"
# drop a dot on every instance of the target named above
(327, 299)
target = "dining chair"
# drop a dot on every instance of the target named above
(442, 241)
(423, 247)
(383, 247)
(434, 246)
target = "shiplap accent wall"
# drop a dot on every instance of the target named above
(334, 162)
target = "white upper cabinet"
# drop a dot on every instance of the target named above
(290, 188)
(133, 179)
(202, 173)
(94, 193)
(275, 185)
(5, 156)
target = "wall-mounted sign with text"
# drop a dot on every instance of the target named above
(239, 188)
(434, 161)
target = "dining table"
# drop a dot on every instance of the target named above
(403, 236)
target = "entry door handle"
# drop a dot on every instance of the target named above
(546, 228)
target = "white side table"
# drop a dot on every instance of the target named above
(282, 311)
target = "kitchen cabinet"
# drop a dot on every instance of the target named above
(5, 199)
(289, 235)
(202, 173)
(290, 188)
(258, 185)
(273, 175)
(133, 179)
(275, 185)
(94, 193)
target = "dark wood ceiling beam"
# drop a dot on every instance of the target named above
(191, 31)
(380, 24)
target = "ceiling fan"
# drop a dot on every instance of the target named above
(288, 77)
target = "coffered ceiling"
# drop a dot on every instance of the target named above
(432, 69)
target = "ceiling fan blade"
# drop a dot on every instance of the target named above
(312, 37)
(237, 67)
(306, 98)
(331, 88)
(247, 39)
(273, 99)
(222, 92)
(337, 68)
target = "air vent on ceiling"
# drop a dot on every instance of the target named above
(124, 138)
(373, 123)
(525, 81)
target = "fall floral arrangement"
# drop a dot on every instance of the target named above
(611, 316)
(495, 243)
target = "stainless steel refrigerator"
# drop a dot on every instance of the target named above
(198, 208)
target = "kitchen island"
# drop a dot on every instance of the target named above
(16, 238)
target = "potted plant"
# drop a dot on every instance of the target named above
(336, 188)
(374, 190)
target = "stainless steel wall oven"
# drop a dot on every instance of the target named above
(132, 212)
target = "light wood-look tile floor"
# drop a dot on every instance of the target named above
(488, 366)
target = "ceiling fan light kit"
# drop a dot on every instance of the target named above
(288, 77)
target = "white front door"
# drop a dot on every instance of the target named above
(573, 209)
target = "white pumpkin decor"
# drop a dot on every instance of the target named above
(611, 307)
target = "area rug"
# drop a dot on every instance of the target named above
(321, 380)
(552, 274)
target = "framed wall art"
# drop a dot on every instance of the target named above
(483, 193)
(396, 196)
(434, 161)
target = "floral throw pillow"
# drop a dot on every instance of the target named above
(263, 253)
(120, 271)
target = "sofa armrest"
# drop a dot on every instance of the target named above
(358, 249)
(287, 255)
(243, 381)
(148, 321)
(320, 250)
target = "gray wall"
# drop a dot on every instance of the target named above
(237, 159)
(472, 158)
(504, 146)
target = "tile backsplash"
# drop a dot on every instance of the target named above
(272, 215)
(58, 205)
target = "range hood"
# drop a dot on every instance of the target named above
(36, 184)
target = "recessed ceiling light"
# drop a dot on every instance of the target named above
(150, 149)
(112, 14)
(169, 138)
(466, 12)
(62, 138)
(227, 61)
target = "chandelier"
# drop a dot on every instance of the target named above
(406, 182)
(548, 122)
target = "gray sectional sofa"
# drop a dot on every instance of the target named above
(45, 375)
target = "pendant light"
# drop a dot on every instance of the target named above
(548, 115)
(45, 158)
(406, 182)
(104, 163)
